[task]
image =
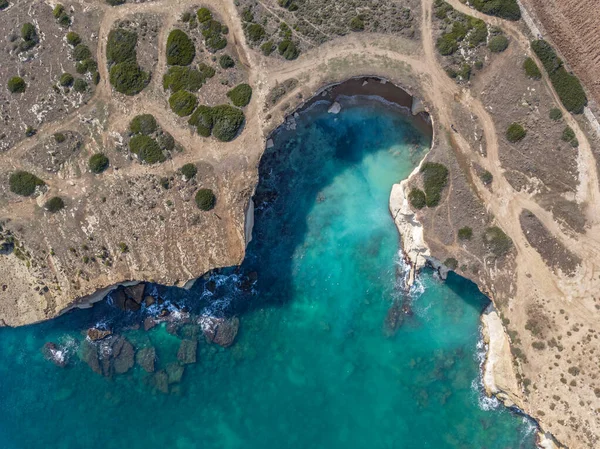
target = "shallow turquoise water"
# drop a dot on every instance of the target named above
(314, 364)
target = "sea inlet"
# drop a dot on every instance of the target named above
(329, 351)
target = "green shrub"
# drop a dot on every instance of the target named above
(66, 80)
(64, 20)
(81, 52)
(568, 134)
(115, 2)
(146, 148)
(183, 103)
(29, 33)
(417, 198)
(120, 46)
(96, 78)
(183, 77)
(478, 33)
(486, 178)
(16, 85)
(205, 199)
(80, 85)
(465, 233)
(166, 141)
(267, 48)
(73, 39)
(24, 183)
(206, 70)
(531, 69)
(555, 114)
(58, 10)
(227, 122)
(506, 9)
(180, 48)
(497, 241)
(143, 124)
(451, 263)
(54, 204)
(288, 49)
(567, 86)
(4, 4)
(240, 95)
(59, 137)
(226, 62)
(212, 31)
(435, 178)
(128, 78)
(98, 163)
(255, 32)
(357, 24)
(204, 15)
(498, 44)
(247, 15)
(189, 171)
(447, 44)
(30, 131)
(465, 72)
(515, 132)
(202, 119)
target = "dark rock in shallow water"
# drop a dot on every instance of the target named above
(172, 328)
(175, 372)
(187, 351)
(149, 323)
(149, 300)
(89, 354)
(136, 292)
(211, 286)
(52, 352)
(190, 331)
(160, 381)
(145, 358)
(393, 319)
(123, 356)
(128, 298)
(221, 331)
(95, 334)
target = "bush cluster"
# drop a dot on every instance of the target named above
(66, 80)
(205, 199)
(24, 183)
(357, 24)
(189, 171)
(465, 233)
(267, 48)
(61, 16)
(54, 204)
(498, 43)
(506, 9)
(555, 114)
(515, 132)
(4, 4)
(226, 62)
(567, 86)
(147, 149)
(98, 163)
(223, 121)
(143, 124)
(120, 46)
(128, 78)
(204, 15)
(417, 198)
(255, 32)
(212, 31)
(240, 95)
(568, 135)
(497, 241)
(475, 29)
(451, 263)
(531, 69)
(183, 103)
(183, 78)
(16, 85)
(288, 49)
(29, 37)
(435, 178)
(73, 39)
(180, 48)
(80, 85)
(81, 52)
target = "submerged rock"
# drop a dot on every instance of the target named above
(187, 351)
(221, 331)
(149, 323)
(111, 355)
(123, 356)
(53, 353)
(95, 334)
(129, 298)
(335, 108)
(160, 381)
(393, 319)
(145, 358)
(174, 372)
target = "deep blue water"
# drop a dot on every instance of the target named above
(316, 362)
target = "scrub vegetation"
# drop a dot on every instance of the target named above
(126, 76)
(223, 121)
(435, 178)
(205, 199)
(24, 183)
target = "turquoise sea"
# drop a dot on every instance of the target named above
(320, 361)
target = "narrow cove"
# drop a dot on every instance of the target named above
(316, 361)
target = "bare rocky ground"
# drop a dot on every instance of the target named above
(124, 225)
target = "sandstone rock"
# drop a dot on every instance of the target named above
(221, 331)
(174, 372)
(145, 358)
(95, 334)
(187, 351)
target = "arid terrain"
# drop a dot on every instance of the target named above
(513, 202)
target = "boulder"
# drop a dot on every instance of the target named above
(135, 292)
(53, 353)
(89, 354)
(187, 351)
(128, 298)
(123, 356)
(149, 323)
(95, 334)
(221, 331)
(145, 358)
(149, 300)
(174, 372)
